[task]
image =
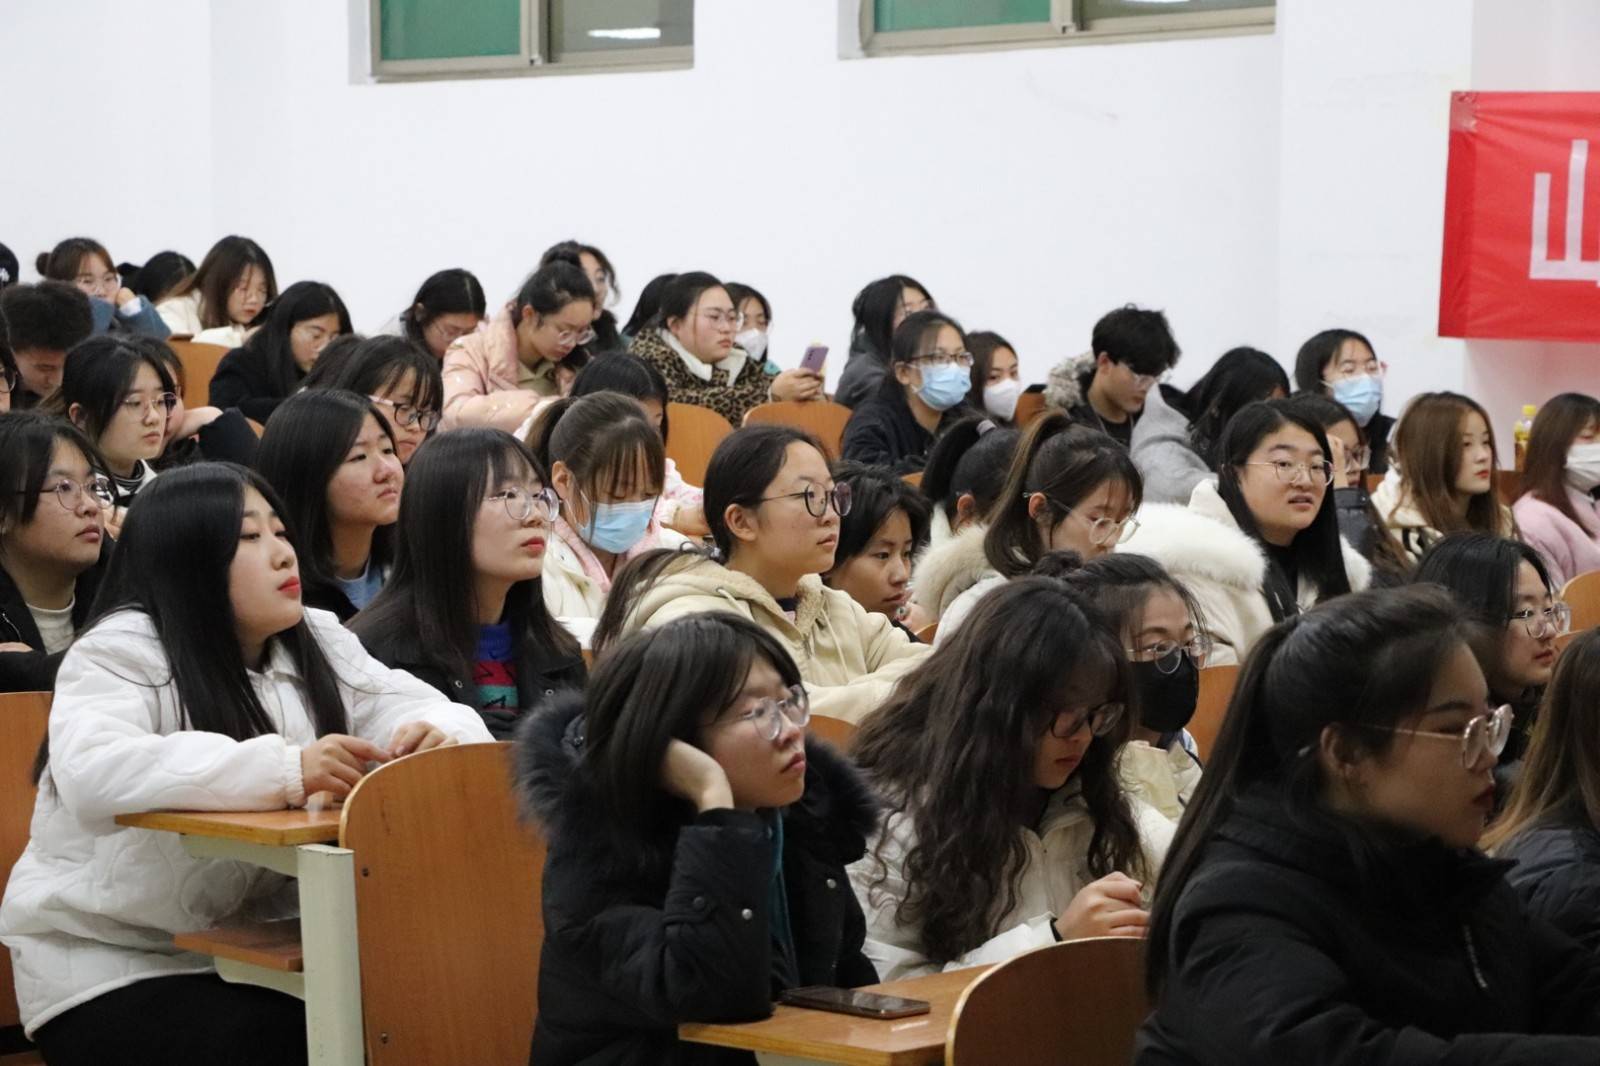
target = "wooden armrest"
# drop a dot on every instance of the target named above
(270, 945)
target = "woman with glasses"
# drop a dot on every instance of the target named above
(691, 341)
(84, 262)
(596, 266)
(1504, 585)
(529, 350)
(1323, 901)
(199, 433)
(607, 467)
(401, 378)
(1262, 543)
(449, 305)
(697, 845)
(331, 457)
(1340, 363)
(1006, 826)
(924, 393)
(290, 334)
(219, 303)
(774, 512)
(54, 498)
(1442, 477)
(1557, 512)
(1069, 488)
(120, 394)
(463, 609)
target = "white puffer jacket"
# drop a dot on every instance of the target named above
(92, 906)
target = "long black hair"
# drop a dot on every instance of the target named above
(448, 292)
(969, 459)
(628, 374)
(97, 376)
(912, 340)
(369, 365)
(953, 750)
(1238, 377)
(224, 266)
(430, 591)
(300, 301)
(875, 307)
(648, 305)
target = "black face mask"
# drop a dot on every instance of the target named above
(1167, 701)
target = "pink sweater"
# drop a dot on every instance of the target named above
(1568, 548)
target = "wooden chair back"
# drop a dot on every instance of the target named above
(1013, 1014)
(24, 720)
(199, 366)
(1029, 404)
(1582, 594)
(836, 731)
(823, 419)
(1508, 485)
(1216, 690)
(696, 432)
(914, 480)
(1373, 481)
(447, 908)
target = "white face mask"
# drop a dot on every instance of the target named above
(754, 342)
(1583, 466)
(1000, 399)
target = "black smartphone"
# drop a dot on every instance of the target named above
(849, 1001)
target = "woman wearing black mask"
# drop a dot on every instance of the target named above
(1163, 634)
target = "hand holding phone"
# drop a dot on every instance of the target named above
(815, 359)
(850, 1001)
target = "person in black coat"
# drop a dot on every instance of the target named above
(922, 395)
(1323, 901)
(290, 332)
(462, 609)
(697, 846)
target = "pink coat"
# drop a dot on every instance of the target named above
(1568, 548)
(481, 379)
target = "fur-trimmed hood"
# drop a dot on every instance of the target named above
(947, 570)
(1068, 384)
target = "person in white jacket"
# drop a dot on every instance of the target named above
(1006, 827)
(202, 685)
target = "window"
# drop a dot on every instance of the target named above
(889, 26)
(432, 37)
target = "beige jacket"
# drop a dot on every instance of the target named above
(483, 379)
(1405, 523)
(1164, 778)
(848, 658)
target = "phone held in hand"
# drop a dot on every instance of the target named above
(850, 1001)
(815, 358)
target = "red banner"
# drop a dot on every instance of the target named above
(1522, 218)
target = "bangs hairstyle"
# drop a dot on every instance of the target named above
(28, 440)
(431, 591)
(304, 444)
(1240, 376)
(876, 305)
(627, 374)
(1137, 338)
(605, 440)
(1296, 682)
(98, 375)
(367, 366)
(953, 750)
(1318, 550)
(1119, 586)
(875, 495)
(1064, 462)
(64, 262)
(1427, 449)
(682, 294)
(1480, 571)
(659, 685)
(741, 470)
(448, 292)
(648, 304)
(983, 344)
(221, 271)
(969, 459)
(1311, 362)
(916, 337)
(1555, 430)
(301, 301)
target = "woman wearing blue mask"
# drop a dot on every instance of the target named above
(925, 391)
(607, 464)
(1341, 363)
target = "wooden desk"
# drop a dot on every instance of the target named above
(796, 1035)
(300, 845)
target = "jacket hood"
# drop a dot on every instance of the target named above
(1200, 540)
(710, 578)
(1068, 383)
(947, 570)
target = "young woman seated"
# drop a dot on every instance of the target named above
(84, 262)
(290, 333)
(448, 306)
(922, 395)
(402, 379)
(1557, 512)
(878, 309)
(1343, 365)
(199, 433)
(962, 480)
(887, 525)
(120, 394)
(219, 303)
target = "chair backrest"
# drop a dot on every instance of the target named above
(24, 719)
(1373, 481)
(1216, 690)
(1077, 1003)
(836, 731)
(199, 366)
(696, 432)
(823, 419)
(1029, 404)
(1508, 485)
(914, 480)
(447, 908)
(1582, 593)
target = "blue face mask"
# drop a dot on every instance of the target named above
(944, 386)
(617, 527)
(1363, 395)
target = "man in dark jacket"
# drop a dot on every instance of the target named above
(42, 322)
(34, 670)
(1132, 349)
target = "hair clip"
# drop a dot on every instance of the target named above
(985, 426)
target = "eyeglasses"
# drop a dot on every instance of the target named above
(164, 402)
(1484, 735)
(1150, 381)
(8, 379)
(1553, 621)
(716, 316)
(961, 359)
(769, 715)
(574, 337)
(69, 493)
(99, 283)
(447, 333)
(1102, 531)
(407, 415)
(1356, 461)
(1289, 472)
(817, 500)
(1168, 655)
(1100, 720)
(520, 503)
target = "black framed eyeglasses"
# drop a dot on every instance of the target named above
(818, 500)
(407, 415)
(1100, 720)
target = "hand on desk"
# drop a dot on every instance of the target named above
(336, 763)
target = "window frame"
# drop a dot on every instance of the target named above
(536, 56)
(1067, 25)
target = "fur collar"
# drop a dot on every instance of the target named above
(947, 570)
(1068, 384)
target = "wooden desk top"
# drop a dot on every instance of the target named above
(842, 1038)
(282, 829)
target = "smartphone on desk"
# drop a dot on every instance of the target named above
(850, 1001)
(814, 359)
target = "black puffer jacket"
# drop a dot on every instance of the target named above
(646, 933)
(1557, 874)
(35, 671)
(1281, 953)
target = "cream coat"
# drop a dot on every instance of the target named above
(945, 571)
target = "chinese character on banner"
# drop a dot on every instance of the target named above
(1522, 218)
